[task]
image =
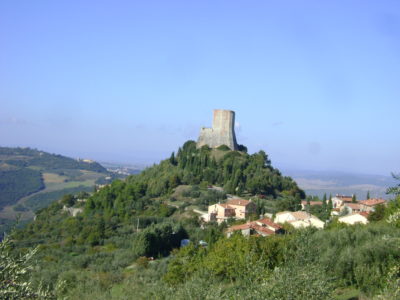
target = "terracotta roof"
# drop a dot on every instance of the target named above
(364, 214)
(240, 227)
(255, 226)
(353, 205)
(225, 205)
(259, 228)
(301, 215)
(312, 203)
(345, 198)
(238, 201)
(269, 222)
(373, 202)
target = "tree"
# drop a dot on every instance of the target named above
(172, 159)
(330, 204)
(378, 214)
(354, 198)
(14, 274)
(308, 205)
(344, 212)
(242, 148)
(396, 189)
(368, 196)
(68, 200)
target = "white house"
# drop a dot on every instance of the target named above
(355, 218)
(340, 200)
(298, 219)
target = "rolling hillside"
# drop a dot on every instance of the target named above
(31, 179)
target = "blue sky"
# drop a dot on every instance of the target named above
(314, 83)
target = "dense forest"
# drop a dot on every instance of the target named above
(17, 183)
(126, 242)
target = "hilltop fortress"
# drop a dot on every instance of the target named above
(222, 131)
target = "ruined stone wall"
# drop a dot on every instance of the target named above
(222, 131)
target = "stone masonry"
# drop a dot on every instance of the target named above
(222, 131)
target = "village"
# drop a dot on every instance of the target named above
(345, 210)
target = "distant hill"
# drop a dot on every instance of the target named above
(331, 182)
(30, 179)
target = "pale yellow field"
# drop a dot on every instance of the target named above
(53, 178)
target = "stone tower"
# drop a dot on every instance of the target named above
(222, 131)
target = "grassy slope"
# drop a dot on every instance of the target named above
(53, 182)
(60, 174)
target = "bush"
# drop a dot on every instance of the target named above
(223, 148)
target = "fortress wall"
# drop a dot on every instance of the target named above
(224, 120)
(222, 132)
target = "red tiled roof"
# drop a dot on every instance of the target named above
(353, 205)
(364, 214)
(225, 205)
(345, 198)
(259, 228)
(372, 202)
(269, 222)
(255, 226)
(238, 201)
(240, 227)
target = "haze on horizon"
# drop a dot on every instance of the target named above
(314, 84)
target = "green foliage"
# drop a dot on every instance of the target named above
(21, 175)
(396, 189)
(354, 199)
(294, 281)
(158, 240)
(288, 203)
(322, 211)
(68, 200)
(237, 172)
(100, 253)
(227, 259)
(23, 157)
(14, 274)
(15, 184)
(223, 148)
(391, 290)
(242, 148)
(42, 200)
(378, 214)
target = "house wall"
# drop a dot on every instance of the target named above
(336, 202)
(282, 218)
(353, 219)
(317, 223)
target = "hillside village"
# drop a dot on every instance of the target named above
(344, 209)
(235, 209)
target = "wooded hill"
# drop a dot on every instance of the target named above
(103, 252)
